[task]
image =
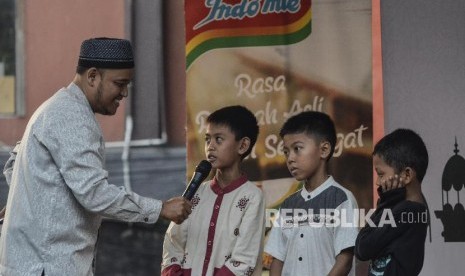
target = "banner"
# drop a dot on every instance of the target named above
(279, 58)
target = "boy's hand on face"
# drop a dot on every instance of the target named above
(391, 183)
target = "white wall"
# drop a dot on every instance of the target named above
(424, 89)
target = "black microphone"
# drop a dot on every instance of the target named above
(201, 172)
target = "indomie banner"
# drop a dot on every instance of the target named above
(279, 58)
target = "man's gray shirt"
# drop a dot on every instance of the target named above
(59, 192)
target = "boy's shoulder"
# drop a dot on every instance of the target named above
(338, 188)
(336, 184)
(330, 191)
(407, 205)
(292, 198)
(252, 189)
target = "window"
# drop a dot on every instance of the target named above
(10, 103)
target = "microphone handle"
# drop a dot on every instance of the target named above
(193, 186)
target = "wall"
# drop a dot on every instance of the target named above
(53, 32)
(424, 89)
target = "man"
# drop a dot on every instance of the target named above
(58, 186)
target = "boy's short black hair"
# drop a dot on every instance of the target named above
(241, 122)
(313, 123)
(403, 148)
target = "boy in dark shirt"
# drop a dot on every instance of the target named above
(395, 240)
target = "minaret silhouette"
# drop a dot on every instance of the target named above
(453, 218)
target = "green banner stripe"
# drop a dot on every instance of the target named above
(244, 41)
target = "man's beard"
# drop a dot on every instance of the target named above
(98, 99)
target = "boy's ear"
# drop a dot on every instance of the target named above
(244, 145)
(408, 174)
(325, 149)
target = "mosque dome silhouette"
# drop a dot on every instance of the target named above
(453, 217)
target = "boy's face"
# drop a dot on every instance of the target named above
(221, 148)
(303, 155)
(383, 170)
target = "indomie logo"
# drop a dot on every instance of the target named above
(220, 11)
(214, 24)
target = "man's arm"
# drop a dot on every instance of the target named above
(343, 263)
(8, 172)
(75, 143)
(8, 169)
(276, 267)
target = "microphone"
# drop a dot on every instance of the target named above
(201, 172)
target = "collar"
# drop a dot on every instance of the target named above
(77, 93)
(74, 88)
(231, 187)
(310, 195)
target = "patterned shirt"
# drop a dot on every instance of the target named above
(59, 192)
(223, 235)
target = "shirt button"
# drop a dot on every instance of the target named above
(212, 224)
(217, 207)
(209, 243)
(308, 197)
(146, 219)
(300, 258)
(301, 235)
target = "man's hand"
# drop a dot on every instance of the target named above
(393, 182)
(176, 209)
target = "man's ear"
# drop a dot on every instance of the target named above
(91, 75)
(408, 174)
(325, 149)
(244, 145)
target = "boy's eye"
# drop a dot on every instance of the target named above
(379, 174)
